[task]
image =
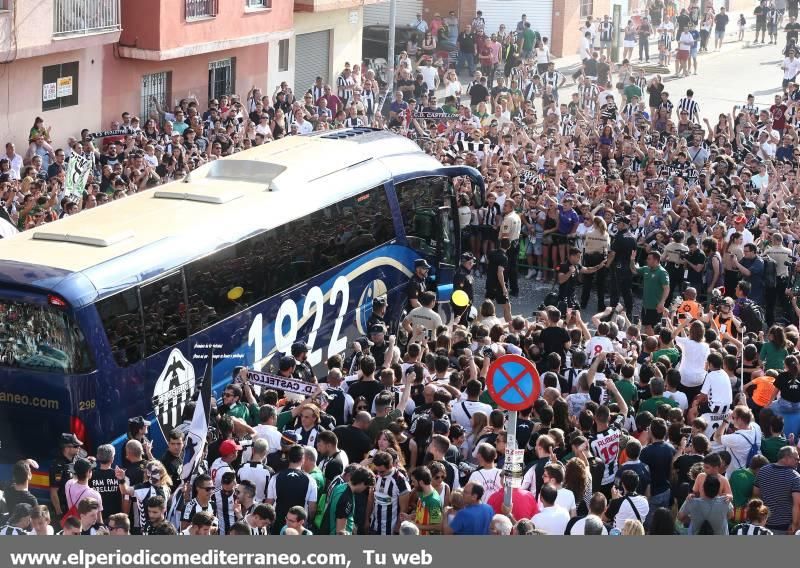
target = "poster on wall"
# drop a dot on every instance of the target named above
(65, 87)
(49, 91)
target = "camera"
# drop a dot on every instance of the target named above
(717, 299)
(683, 254)
(686, 431)
(487, 352)
(791, 262)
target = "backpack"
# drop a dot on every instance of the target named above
(752, 316)
(754, 449)
(770, 272)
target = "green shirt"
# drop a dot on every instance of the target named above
(244, 412)
(528, 39)
(772, 356)
(670, 353)
(381, 423)
(651, 404)
(627, 391)
(632, 91)
(319, 479)
(742, 481)
(770, 447)
(653, 281)
(284, 419)
(341, 505)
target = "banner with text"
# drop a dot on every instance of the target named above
(267, 381)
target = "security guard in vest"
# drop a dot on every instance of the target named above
(622, 247)
(689, 305)
(463, 280)
(417, 284)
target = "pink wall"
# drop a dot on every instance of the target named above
(161, 24)
(122, 81)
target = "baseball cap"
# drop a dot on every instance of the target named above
(624, 219)
(227, 447)
(286, 362)
(299, 347)
(739, 219)
(377, 328)
(421, 263)
(70, 440)
(138, 422)
(749, 205)
(289, 438)
(467, 256)
(81, 467)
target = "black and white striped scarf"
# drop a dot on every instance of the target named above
(463, 146)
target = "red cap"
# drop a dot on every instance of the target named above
(739, 219)
(228, 447)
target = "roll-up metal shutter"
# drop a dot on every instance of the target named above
(312, 60)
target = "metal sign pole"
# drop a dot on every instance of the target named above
(511, 445)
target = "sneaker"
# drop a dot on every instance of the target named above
(540, 276)
(530, 274)
(483, 259)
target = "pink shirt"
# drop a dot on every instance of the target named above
(495, 52)
(75, 492)
(523, 503)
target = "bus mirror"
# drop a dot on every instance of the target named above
(235, 293)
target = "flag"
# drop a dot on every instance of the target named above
(78, 169)
(194, 443)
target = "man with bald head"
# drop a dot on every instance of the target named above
(353, 438)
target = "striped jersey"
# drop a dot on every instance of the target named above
(746, 529)
(589, 97)
(386, 511)
(224, 506)
(194, 506)
(141, 493)
(8, 530)
(605, 446)
(317, 93)
(690, 106)
(259, 474)
(552, 79)
(345, 87)
(368, 98)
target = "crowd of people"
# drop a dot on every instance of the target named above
(679, 419)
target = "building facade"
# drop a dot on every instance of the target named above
(53, 56)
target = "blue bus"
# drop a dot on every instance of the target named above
(112, 313)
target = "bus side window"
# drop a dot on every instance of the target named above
(122, 321)
(164, 310)
(420, 200)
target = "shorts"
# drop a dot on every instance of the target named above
(559, 239)
(605, 44)
(761, 26)
(489, 233)
(497, 297)
(683, 55)
(629, 43)
(693, 53)
(534, 247)
(719, 34)
(650, 317)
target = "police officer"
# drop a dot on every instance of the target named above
(378, 311)
(622, 247)
(417, 285)
(61, 472)
(463, 280)
(302, 370)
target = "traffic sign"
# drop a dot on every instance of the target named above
(513, 382)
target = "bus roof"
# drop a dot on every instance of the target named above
(135, 238)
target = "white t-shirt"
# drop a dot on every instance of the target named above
(686, 41)
(739, 444)
(747, 236)
(425, 317)
(792, 67)
(596, 344)
(429, 74)
(218, 469)
(693, 360)
(565, 499)
(489, 479)
(626, 511)
(460, 410)
(580, 526)
(271, 435)
(717, 387)
(680, 398)
(552, 520)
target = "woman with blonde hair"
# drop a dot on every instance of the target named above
(632, 527)
(595, 252)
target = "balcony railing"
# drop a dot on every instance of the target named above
(201, 8)
(85, 17)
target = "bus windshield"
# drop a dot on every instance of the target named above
(41, 337)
